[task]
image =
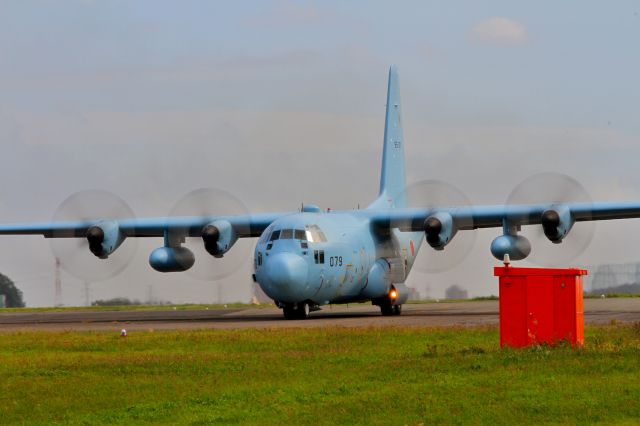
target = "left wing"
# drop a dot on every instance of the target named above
(104, 236)
(244, 226)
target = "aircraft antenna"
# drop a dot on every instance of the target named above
(57, 285)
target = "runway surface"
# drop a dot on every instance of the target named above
(597, 311)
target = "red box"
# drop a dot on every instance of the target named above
(539, 305)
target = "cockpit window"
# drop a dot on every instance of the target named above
(266, 234)
(314, 234)
(290, 234)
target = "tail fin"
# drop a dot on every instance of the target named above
(392, 179)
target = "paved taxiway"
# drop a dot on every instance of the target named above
(597, 311)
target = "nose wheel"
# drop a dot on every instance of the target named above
(296, 311)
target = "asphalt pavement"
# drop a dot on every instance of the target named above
(597, 311)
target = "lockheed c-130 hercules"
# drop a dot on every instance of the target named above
(309, 258)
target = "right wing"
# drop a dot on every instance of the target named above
(474, 217)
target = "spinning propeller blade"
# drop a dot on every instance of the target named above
(432, 193)
(212, 202)
(558, 189)
(74, 254)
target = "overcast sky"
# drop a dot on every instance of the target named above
(282, 102)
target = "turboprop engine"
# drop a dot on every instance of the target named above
(218, 236)
(104, 238)
(556, 223)
(439, 229)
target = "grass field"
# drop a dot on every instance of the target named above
(317, 376)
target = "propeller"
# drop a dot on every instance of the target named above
(76, 255)
(212, 202)
(430, 193)
(559, 189)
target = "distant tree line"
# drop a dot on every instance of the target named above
(12, 294)
(116, 301)
(124, 301)
(633, 288)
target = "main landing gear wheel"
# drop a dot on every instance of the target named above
(387, 309)
(296, 311)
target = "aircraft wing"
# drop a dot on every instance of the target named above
(474, 217)
(243, 225)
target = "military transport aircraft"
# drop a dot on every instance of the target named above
(308, 258)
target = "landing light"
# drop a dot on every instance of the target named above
(393, 294)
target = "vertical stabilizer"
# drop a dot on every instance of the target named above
(392, 178)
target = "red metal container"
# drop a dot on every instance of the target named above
(539, 305)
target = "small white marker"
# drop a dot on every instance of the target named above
(123, 333)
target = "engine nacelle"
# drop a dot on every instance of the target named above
(171, 259)
(104, 238)
(516, 246)
(439, 229)
(218, 236)
(556, 223)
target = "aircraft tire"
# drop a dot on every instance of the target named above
(300, 312)
(397, 309)
(386, 309)
(304, 310)
(289, 312)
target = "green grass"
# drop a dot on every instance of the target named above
(316, 376)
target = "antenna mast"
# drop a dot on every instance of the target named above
(58, 285)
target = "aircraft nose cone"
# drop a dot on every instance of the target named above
(287, 273)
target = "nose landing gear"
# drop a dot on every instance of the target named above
(297, 310)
